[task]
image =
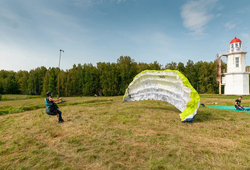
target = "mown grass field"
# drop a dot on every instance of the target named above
(101, 134)
(18, 97)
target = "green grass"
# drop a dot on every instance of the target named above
(18, 97)
(17, 106)
(219, 96)
(102, 134)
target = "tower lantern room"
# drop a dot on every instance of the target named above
(236, 60)
(235, 45)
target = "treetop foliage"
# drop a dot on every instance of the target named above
(108, 79)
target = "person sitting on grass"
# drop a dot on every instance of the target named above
(238, 105)
(52, 108)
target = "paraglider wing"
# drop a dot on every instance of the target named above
(167, 85)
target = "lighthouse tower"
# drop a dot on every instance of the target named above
(236, 79)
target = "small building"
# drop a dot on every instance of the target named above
(236, 78)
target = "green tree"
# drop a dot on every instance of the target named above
(9, 83)
(53, 80)
(181, 67)
(91, 80)
(141, 67)
(46, 83)
(109, 79)
(33, 82)
(41, 71)
(22, 80)
(171, 66)
(3, 75)
(190, 72)
(127, 69)
(62, 83)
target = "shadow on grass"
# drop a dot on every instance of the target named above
(206, 114)
(94, 101)
(201, 116)
(158, 108)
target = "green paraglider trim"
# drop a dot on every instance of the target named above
(195, 98)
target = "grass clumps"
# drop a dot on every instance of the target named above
(101, 134)
(18, 106)
(8, 109)
(8, 97)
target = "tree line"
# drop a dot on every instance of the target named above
(108, 79)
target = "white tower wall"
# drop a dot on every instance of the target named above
(231, 63)
(237, 84)
(236, 79)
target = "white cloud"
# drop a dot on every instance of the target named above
(13, 57)
(62, 19)
(243, 10)
(245, 35)
(220, 8)
(230, 25)
(119, 1)
(157, 39)
(197, 14)
(218, 15)
(90, 3)
(37, 39)
(86, 3)
(245, 39)
(10, 19)
(147, 42)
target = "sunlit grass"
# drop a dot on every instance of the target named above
(102, 134)
(18, 97)
(219, 96)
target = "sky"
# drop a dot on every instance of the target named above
(32, 32)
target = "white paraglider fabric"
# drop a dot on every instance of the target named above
(160, 85)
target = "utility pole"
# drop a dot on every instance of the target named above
(59, 72)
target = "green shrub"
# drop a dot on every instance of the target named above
(0, 97)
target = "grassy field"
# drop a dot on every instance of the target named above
(18, 97)
(101, 134)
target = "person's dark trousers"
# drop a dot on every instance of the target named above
(59, 115)
(239, 108)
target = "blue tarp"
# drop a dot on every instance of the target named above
(231, 108)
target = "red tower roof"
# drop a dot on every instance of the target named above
(235, 40)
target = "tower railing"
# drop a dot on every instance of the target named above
(226, 51)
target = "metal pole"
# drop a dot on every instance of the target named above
(59, 73)
(220, 75)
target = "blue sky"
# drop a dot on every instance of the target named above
(89, 31)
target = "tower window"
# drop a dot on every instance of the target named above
(237, 61)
